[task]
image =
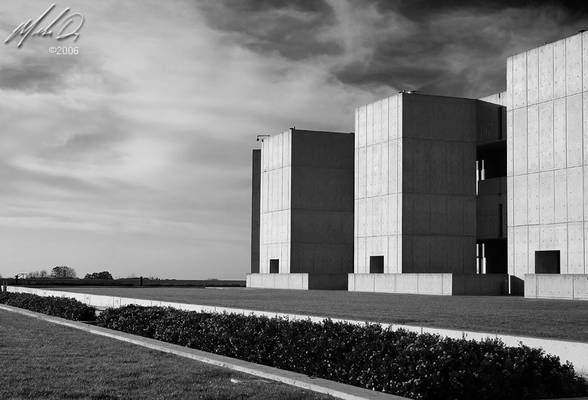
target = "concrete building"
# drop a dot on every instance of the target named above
(305, 211)
(415, 195)
(463, 196)
(547, 171)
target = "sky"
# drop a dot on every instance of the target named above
(134, 156)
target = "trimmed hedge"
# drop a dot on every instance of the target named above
(57, 306)
(400, 362)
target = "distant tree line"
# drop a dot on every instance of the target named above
(99, 275)
(63, 272)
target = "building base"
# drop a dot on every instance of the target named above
(444, 284)
(298, 281)
(556, 286)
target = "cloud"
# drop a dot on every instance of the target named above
(442, 47)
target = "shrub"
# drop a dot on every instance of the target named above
(399, 362)
(58, 306)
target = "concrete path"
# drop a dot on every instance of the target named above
(566, 350)
(335, 389)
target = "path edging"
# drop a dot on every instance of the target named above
(566, 350)
(319, 385)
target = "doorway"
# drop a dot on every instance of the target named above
(376, 264)
(274, 266)
(547, 262)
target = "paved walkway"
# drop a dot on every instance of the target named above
(557, 319)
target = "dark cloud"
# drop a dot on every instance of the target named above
(291, 29)
(454, 47)
(37, 73)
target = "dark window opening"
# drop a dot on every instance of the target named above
(547, 262)
(274, 266)
(376, 264)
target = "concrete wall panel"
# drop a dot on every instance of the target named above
(585, 61)
(580, 289)
(533, 139)
(546, 73)
(534, 244)
(547, 239)
(519, 80)
(521, 253)
(520, 141)
(546, 161)
(575, 248)
(533, 199)
(585, 178)
(393, 117)
(385, 283)
(371, 167)
(394, 217)
(559, 132)
(575, 200)
(393, 265)
(510, 250)
(560, 196)
(574, 65)
(361, 173)
(574, 130)
(585, 248)
(510, 200)
(520, 200)
(559, 68)
(509, 91)
(362, 126)
(385, 134)
(369, 125)
(384, 170)
(533, 76)
(561, 244)
(509, 143)
(392, 171)
(439, 215)
(377, 116)
(554, 287)
(585, 126)
(361, 266)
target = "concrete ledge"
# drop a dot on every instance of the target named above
(556, 286)
(298, 281)
(335, 389)
(566, 350)
(443, 284)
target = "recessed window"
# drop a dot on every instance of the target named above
(274, 266)
(547, 262)
(376, 264)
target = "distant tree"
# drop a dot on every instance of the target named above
(98, 275)
(62, 272)
(36, 274)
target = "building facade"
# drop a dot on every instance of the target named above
(306, 211)
(547, 158)
(416, 195)
(466, 196)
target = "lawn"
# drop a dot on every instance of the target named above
(41, 360)
(560, 319)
